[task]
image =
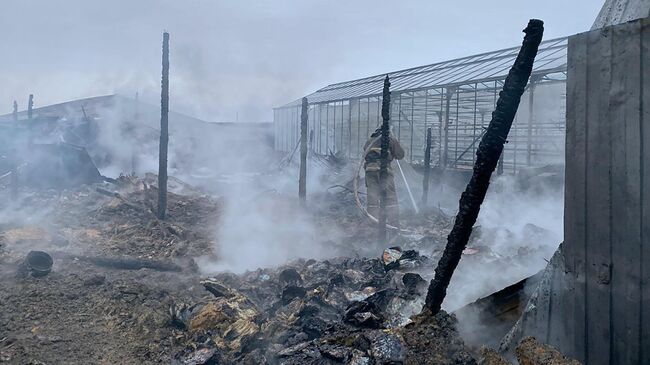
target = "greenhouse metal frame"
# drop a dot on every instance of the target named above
(454, 98)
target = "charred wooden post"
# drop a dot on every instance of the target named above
(164, 130)
(383, 165)
(487, 157)
(30, 106)
(427, 170)
(302, 182)
(15, 112)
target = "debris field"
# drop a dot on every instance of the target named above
(125, 288)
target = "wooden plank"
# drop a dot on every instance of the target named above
(598, 259)
(575, 194)
(645, 194)
(624, 105)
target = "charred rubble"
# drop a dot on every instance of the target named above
(343, 310)
(116, 262)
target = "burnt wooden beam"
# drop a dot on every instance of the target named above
(164, 130)
(383, 165)
(487, 157)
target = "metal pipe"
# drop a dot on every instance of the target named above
(427, 170)
(445, 152)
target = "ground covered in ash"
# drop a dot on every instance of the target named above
(125, 289)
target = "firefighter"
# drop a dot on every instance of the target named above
(372, 150)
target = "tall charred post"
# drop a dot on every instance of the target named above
(164, 130)
(15, 112)
(487, 157)
(30, 106)
(427, 170)
(302, 181)
(383, 164)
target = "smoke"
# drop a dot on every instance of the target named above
(517, 233)
(232, 59)
(262, 224)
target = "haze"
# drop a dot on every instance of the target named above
(236, 60)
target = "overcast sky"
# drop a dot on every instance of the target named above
(242, 58)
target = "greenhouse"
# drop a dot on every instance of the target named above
(454, 98)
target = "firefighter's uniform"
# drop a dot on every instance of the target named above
(372, 166)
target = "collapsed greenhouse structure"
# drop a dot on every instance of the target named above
(453, 98)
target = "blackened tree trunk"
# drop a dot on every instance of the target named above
(164, 132)
(302, 181)
(383, 164)
(487, 157)
(427, 170)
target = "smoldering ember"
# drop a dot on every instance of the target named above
(487, 208)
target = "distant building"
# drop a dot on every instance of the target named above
(122, 136)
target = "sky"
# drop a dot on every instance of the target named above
(236, 60)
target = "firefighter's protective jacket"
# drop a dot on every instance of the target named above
(373, 153)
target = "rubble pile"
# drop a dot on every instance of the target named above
(116, 271)
(110, 220)
(343, 310)
(131, 214)
(124, 288)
